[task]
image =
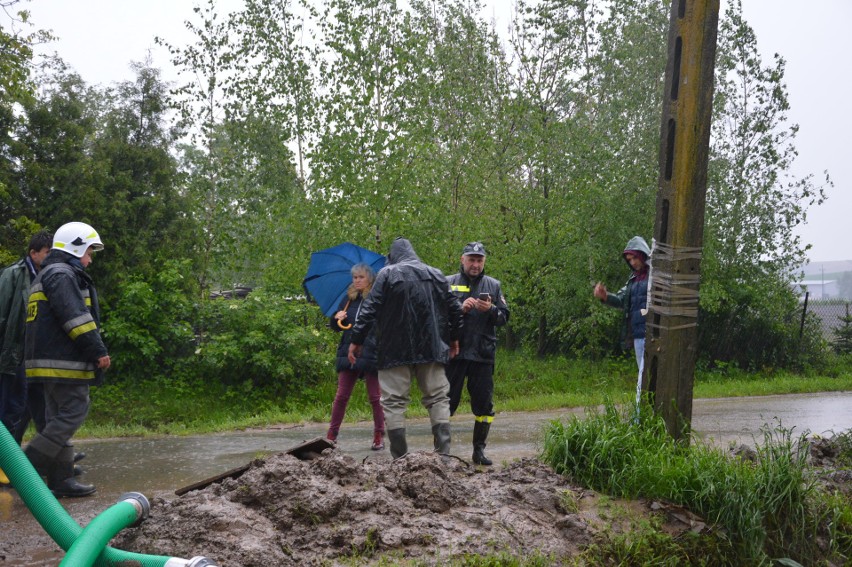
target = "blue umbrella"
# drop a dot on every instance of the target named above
(329, 273)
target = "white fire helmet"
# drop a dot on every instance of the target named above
(75, 238)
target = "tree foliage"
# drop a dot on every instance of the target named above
(16, 87)
(295, 125)
(754, 204)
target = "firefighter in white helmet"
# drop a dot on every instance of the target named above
(64, 351)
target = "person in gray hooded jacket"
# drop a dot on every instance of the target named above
(418, 322)
(632, 299)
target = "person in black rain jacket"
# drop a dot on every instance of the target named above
(418, 322)
(64, 351)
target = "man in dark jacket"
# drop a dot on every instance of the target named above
(64, 351)
(417, 323)
(14, 290)
(632, 299)
(485, 309)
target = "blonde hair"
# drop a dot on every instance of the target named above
(361, 268)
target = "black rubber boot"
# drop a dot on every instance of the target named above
(78, 470)
(398, 444)
(39, 460)
(60, 478)
(42, 452)
(480, 434)
(441, 435)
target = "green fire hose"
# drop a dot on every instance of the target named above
(83, 546)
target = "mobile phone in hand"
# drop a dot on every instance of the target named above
(485, 297)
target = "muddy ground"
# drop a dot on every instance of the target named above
(335, 510)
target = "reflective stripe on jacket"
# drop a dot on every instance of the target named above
(63, 340)
(479, 335)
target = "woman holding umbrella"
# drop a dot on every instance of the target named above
(363, 277)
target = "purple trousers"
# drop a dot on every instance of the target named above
(346, 380)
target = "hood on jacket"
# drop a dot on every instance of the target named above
(56, 256)
(401, 250)
(637, 244)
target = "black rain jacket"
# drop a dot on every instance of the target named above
(415, 314)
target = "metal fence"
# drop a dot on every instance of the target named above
(829, 312)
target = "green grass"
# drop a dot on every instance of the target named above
(770, 508)
(521, 382)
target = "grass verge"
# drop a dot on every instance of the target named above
(764, 510)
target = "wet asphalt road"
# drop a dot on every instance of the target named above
(157, 467)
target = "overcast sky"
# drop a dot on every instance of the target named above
(99, 38)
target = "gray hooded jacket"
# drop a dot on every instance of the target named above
(633, 297)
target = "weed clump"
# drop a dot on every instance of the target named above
(762, 509)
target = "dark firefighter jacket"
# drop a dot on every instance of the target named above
(479, 334)
(63, 339)
(415, 314)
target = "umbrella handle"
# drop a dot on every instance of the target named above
(340, 323)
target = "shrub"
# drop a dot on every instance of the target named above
(262, 342)
(150, 329)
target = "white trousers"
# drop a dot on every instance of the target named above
(639, 350)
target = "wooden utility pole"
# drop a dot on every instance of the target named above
(671, 339)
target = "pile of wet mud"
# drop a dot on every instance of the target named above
(334, 509)
(829, 456)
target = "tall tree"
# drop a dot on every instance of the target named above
(55, 178)
(202, 103)
(362, 163)
(144, 218)
(240, 179)
(16, 87)
(550, 42)
(461, 99)
(278, 60)
(275, 124)
(754, 202)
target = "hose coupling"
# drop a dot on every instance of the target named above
(143, 507)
